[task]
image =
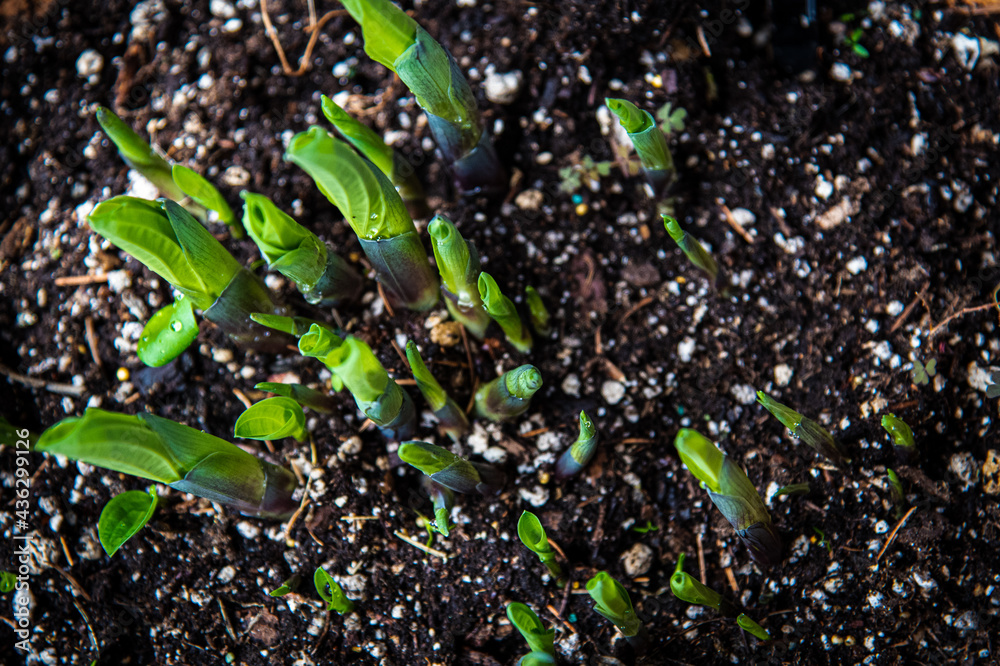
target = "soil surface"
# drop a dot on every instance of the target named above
(845, 177)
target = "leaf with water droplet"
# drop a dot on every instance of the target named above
(168, 333)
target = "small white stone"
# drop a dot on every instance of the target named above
(89, 63)
(967, 50)
(544, 158)
(824, 188)
(881, 527)
(226, 574)
(232, 25)
(247, 530)
(857, 265)
(783, 374)
(222, 9)
(894, 308)
(536, 497)
(613, 391)
(841, 72)
(503, 88)
(571, 385)
(744, 394)
(119, 281)
(685, 349)
(744, 217)
(637, 560)
(236, 176)
(222, 355)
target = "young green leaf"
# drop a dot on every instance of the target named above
(689, 589)
(508, 395)
(693, 250)
(501, 309)
(295, 326)
(793, 489)
(168, 333)
(186, 459)
(575, 458)
(451, 419)
(649, 143)
(458, 264)
(902, 437)
(450, 470)
(612, 601)
(138, 154)
(123, 516)
(805, 429)
(303, 395)
(539, 314)
(330, 591)
(205, 194)
(532, 535)
(443, 500)
(272, 418)
(751, 627)
(8, 582)
(527, 622)
(732, 493)
(375, 212)
(286, 587)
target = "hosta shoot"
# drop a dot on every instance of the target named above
(400, 172)
(123, 516)
(451, 419)
(205, 195)
(321, 276)
(732, 493)
(902, 437)
(288, 586)
(538, 312)
(577, 456)
(612, 601)
(396, 41)
(450, 470)
(751, 627)
(331, 592)
(687, 588)
(443, 500)
(501, 309)
(272, 418)
(183, 458)
(138, 154)
(458, 264)
(509, 395)
(692, 249)
(532, 535)
(538, 638)
(303, 395)
(649, 142)
(168, 241)
(375, 212)
(807, 430)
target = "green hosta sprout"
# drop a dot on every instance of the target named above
(450, 470)
(8, 582)
(687, 588)
(272, 418)
(896, 491)
(693, 250)
(649, 142)
(537, 659)
(353, 362)
(183, 458)
(577, 456)
(793, 489)
(138, 154)
(303, 395)
(539, 314)
(375, 212)
(123, 516)
(443, 500)
(805, 429)
(321, 276)
(294, 326)
(396, 41)
(458, 264)
(168, 241)
(168, 333)
(501, 310)
(732, 493)
(612, 601)
(331, 592)
(286, 587)
(902, 437)
(205, 195)
(374, 149)
(532, 535)
(751, 627)
(451, 419)
(539, 638)
(508, 395)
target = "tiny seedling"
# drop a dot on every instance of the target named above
(539, 638)
(612, 601)
(286, 587)
(586, 172)
(501, 309)
(922, 373)
(732, 493)
(649, 142)
(451, 419)
(692, 249)
(539, 314)
(124, 515)
(751, 627)
(168, 333)
(396, 41)
(272, 418)
(687, 588)
(902, 437)
(8, 582)
(645, 529)
(577, 456)
(458, 263)
(823, 541)
(330, 592)
(793, 489)
(805, 429)
(375, 212)
(532, 535)
(508, 395)
(671, 119)
(443, 500)
(321, 276)
(450, 470)
(895, 492)
(188, 460)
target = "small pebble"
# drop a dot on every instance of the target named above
(637, 560)
(503, 88)
(613, 391)
(89, 63)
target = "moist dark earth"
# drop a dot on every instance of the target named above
(848, 193)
